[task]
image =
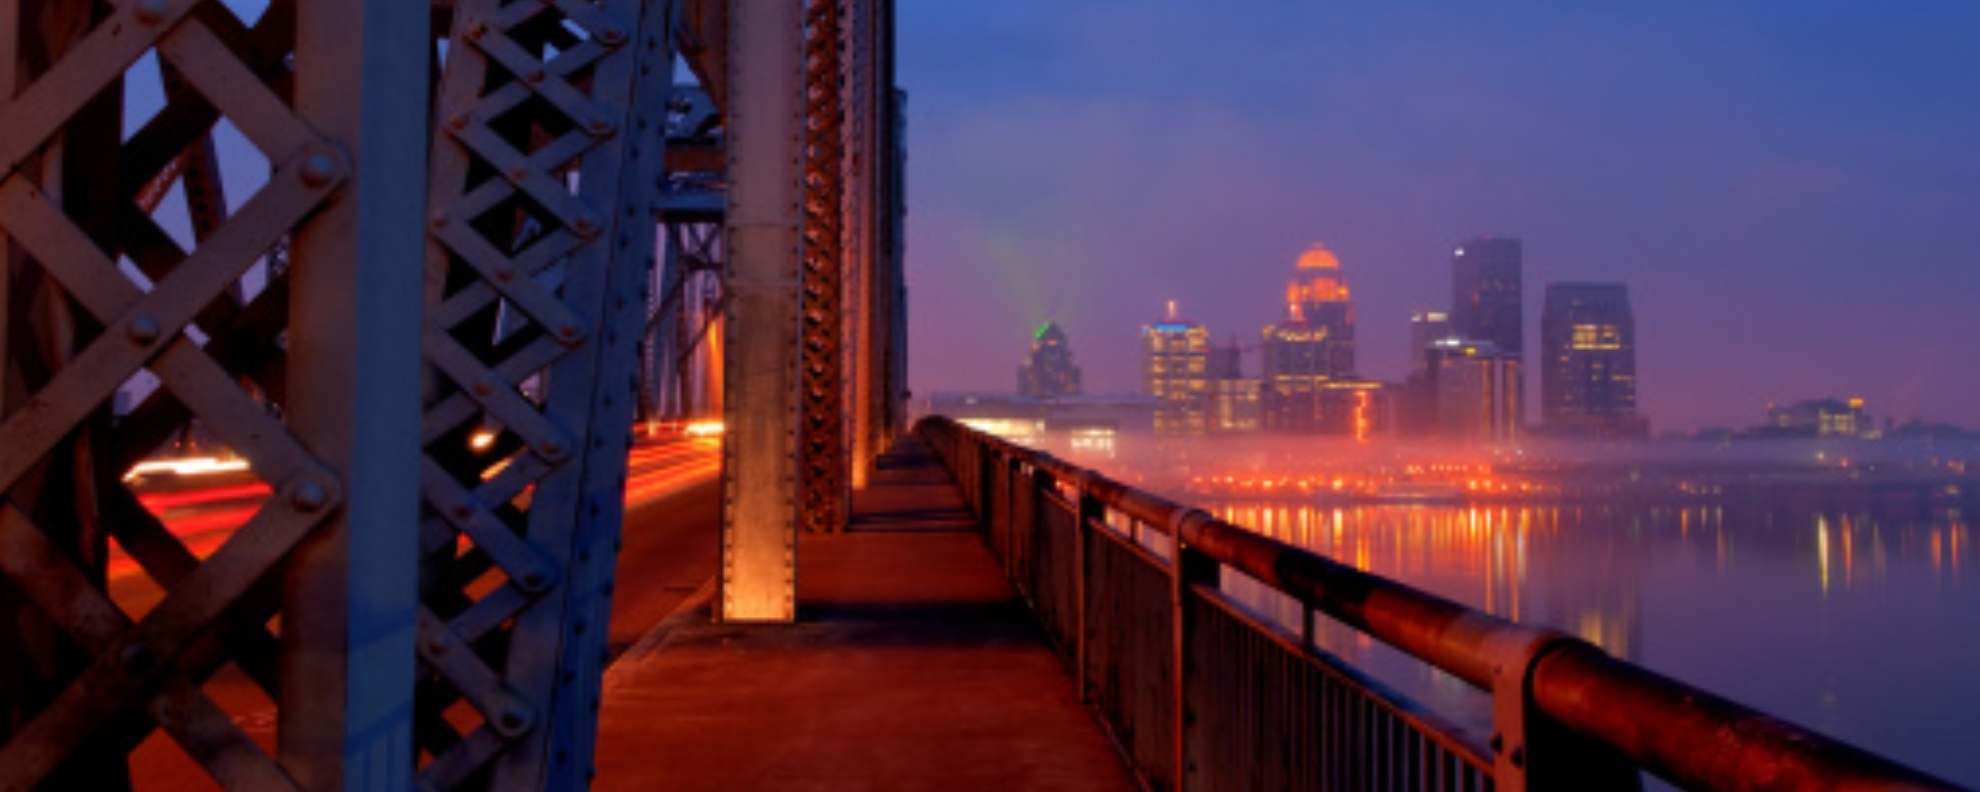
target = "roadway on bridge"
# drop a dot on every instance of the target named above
(672, 540)
(913, 666)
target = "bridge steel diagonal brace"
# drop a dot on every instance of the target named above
(548, 151)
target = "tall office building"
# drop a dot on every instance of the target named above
(1233, 397)
(1477, 389)
(1485, 293)
(1314, 345)
(1049, 372)
(1175, 369)
(1416, 404)
(1588, 378)
(1426, 328)
(1317, 296)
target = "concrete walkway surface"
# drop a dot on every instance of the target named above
(913, 666)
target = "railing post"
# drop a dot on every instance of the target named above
(1090, 509)
(985, 471)
(1039, 482)
(1187, 569)
(1530, 751)
(1014, 486)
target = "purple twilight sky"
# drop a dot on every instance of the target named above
(1790, 190)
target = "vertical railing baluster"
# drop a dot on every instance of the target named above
(1089, 510)
(1187, 569)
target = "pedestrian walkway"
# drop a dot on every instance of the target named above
(913, 665)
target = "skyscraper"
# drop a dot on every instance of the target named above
(1318, 296)
(1485, 293)
(1049, 372)
(1588, 379)
(1417, 402)
(1478, 390)
(1233, 397)
(1314, 345)
(1175, 369)
(1426, 328)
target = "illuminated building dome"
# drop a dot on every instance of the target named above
(1318, 280)
(1320, 258)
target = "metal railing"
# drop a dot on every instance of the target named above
(1201, 694)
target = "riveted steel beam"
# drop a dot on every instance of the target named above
(760, 452)
(823, 484)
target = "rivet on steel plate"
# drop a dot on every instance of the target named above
(611, 36)
(137, 658)
(536, 581)
(599, 126)
(308, 497)
(142, 330)
(457, 121)
(319, 169)
(514, 718)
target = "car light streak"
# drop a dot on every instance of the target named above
(203, 519)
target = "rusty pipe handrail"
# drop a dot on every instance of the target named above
(1681, 733)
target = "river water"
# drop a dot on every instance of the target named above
(1861, 625)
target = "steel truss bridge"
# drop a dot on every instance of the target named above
(475, 241)
(464, 216)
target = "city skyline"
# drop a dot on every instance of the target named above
(1787, 201)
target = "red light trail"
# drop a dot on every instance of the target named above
(204, 518)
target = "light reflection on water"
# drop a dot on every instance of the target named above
(1863, 626)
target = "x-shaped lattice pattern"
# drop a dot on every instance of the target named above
(544, 169)
(150, 670)
(824, 487)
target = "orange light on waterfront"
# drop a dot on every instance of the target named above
(1848, 552)
(1822, 550)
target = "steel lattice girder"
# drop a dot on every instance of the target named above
(66, 202)
(824, 487)
(547, 161)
